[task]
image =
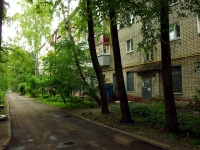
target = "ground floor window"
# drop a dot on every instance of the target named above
(130, 81)
(177, 79)
(114, 83)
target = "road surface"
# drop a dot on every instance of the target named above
(36, 126)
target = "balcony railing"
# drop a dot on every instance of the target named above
(104, 60)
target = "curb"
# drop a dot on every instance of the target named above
(8, 140)
(144, 139)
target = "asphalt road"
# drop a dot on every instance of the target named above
(36, 126)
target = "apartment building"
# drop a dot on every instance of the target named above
(142, 71)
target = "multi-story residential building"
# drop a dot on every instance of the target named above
(142, 71)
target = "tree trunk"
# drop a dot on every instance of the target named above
(94, 95)
(125, 112)
(170, 108)
(97, 68)
(1, 18)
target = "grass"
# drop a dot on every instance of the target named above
(149, 121)
(75, 103)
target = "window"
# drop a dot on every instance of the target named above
(129, 45)
(102, 50)
(130, 81)
(198, 24)
(173, 2)
(174, 31)
(114, 83)
(150, 55)
(177, 79)
(125, 20)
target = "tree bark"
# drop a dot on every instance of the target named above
(1, 18)
(95, 62)
(125, 112)
(170, 108)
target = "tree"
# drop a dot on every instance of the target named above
(95, 62)
(34, 26)
(170, 108)
(1, 18)
(126, 116)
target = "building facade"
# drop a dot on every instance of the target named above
(142, 70)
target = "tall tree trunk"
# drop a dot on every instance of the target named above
(170, 108)
(1, 18)
(97, 68)
(125, 112)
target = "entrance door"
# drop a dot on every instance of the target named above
(146, 88)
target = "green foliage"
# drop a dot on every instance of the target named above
(54, 99)
(22, 88)
(196, 97)
(2, 95)
(115, 109)
(77, 103)
(33, 86)
(141, 111)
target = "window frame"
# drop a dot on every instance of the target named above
(114, 83)
(128, 42)
(129, 89)
(175, 31)
(198, 24)
(149, 55)
(100, 50)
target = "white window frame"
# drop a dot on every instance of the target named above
(198, 25)
(129, 46)
(124, 19)
(150, 55)
(175, 32)
(173, 2)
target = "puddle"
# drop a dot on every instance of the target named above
(69, 143)
(66, 144)
(67, 116)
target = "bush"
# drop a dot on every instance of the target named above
(22, 88)
(54, 99)
(140, 110)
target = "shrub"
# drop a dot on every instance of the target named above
(22, 88)
(54, 99)
(140, 110)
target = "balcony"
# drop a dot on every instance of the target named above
(104, 59)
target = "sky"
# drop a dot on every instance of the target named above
(10, 31)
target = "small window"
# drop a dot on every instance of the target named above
(177, 79)
(125, 20)
(150, 55)
(198, 24)
(174, 31)
(173, 2)
(129, 45)
(114, 83)
(102, 50)
(130, 81)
